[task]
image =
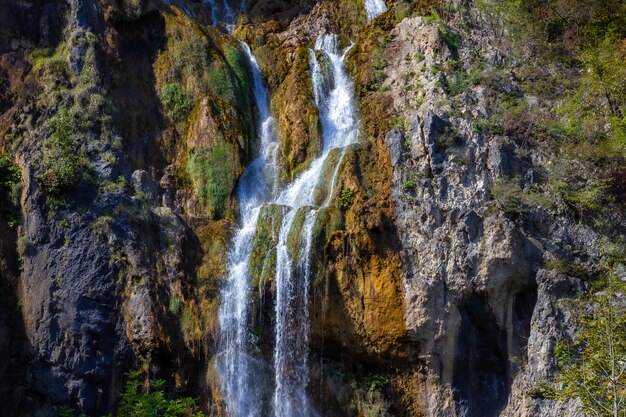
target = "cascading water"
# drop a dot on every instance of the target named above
(374, 8)
(225, 11)
(235, 365)
(333, 94)
(334, 99)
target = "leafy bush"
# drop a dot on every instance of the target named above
(571, 52)
(593, 365)
(177, 102)
(585, 196)
(141, 399)
(572, 269)
(151, 401)
(508, 195)
(9, 182)
(212, 171)
(347, 197)
(63, 162)
(513, 199)
(371, 401)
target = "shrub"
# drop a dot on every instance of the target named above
(9, 183)
(573, 269)
(177, 102)
(585, 196)
(593, 365)
(347, 197)
(139, 400)
(508, 195)
(212, 171)
(513, 199)
(452, 38)
(63, 162)
(370, 401)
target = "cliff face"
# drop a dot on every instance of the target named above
(132, 123)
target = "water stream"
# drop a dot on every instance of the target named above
(239, 369)
(374, 8)
(333, 91)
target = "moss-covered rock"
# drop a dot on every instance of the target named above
(209, 66)
(212, 170)
(295, 235)
(297, 119)
(263, 255)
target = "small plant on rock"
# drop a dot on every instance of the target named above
(177, 102)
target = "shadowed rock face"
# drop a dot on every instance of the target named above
(481, 375)
(426, 296)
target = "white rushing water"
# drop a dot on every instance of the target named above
(242, 385)
(225, 11)
(374, 8)
(334, 98)
(236, 367)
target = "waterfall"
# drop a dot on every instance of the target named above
(334, 98)
(236, 367)
(224, 11)
(374, 8)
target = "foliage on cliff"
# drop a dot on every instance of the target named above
(570, 54)
(593, 365)
(151, 400)
(143, 398)
(9, 180)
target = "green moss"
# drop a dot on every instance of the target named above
(219, 81)
(322, 188)
(263, 255)
(213, 173)
(176, 101)
(44, 57)
(209, 66)
(294, 237)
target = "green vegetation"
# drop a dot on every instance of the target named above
(571, 55)
(212, 170)
(205, 64)
(371, 402)
(347, 197)
(513, 199)
(237, 63)
(141, 399)
(82, 114)
(263, 255)
(573, 269)
(177, 102)
(586, 196)
(10, 176)
(64, 163)
(593, 365)
(190, 324)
